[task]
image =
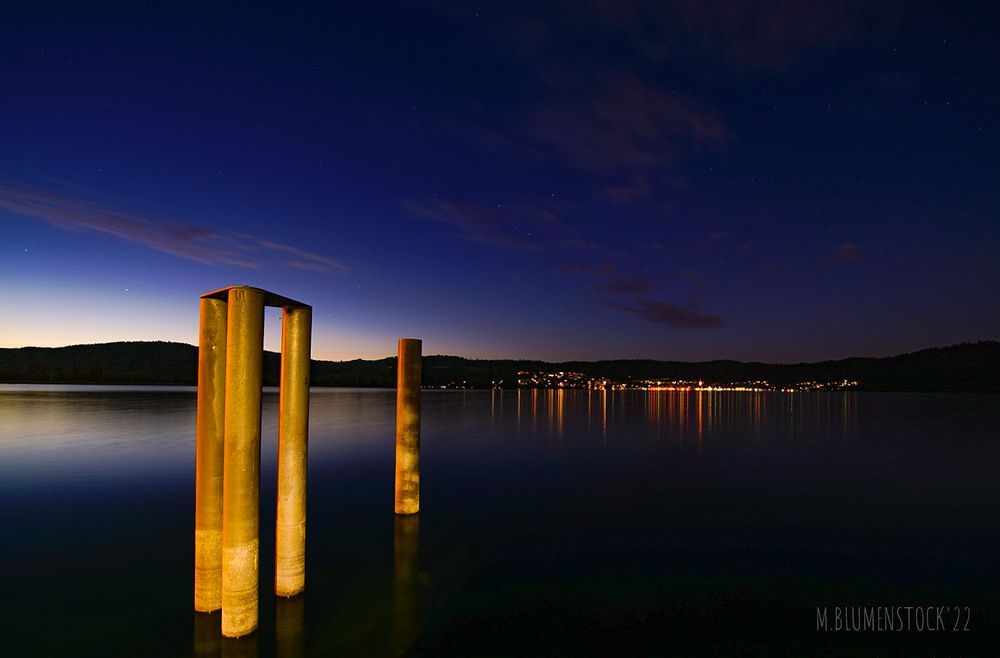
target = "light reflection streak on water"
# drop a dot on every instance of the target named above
(534, 410)
(560, 401)
(519, 412)
(699, 423)
(93, 434)
(590, 395)
(604, 417)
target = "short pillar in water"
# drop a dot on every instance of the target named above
(209, 456)
(241, 471)
(408, 426)
(293, 436)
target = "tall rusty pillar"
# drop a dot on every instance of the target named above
(227, 461)
(241, 469)
(408, 426)
(209, 456)
(293, 438)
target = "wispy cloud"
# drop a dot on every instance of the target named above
(627, 192)
(627, 286)
(303, 259)
(627, 124)
(677, 317)
(747, 36)
(600, 269)
(185, 240)
(529, 226)
(576, 269)
(846, 251)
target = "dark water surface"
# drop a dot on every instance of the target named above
(553, 524)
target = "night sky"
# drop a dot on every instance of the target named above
(585, 180)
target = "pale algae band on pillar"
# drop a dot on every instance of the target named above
(227, 490)
(408, 378)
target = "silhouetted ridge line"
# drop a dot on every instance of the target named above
(962, 367)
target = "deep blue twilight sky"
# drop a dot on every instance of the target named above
(594, 179)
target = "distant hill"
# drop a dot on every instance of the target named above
(963, 367)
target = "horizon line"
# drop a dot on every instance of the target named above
(456, 356)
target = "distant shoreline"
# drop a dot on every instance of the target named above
(434, 389)
(967, 367)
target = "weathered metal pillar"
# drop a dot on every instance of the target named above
(293, 436)
(408, 426)
(208, 456)
(227, 489)
(241, 477)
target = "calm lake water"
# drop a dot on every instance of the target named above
(553, 523)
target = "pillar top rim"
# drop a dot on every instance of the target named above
(270, 298)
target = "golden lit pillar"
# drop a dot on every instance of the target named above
(241, 477)
(208, 456)
(293, 437)
(408, 427)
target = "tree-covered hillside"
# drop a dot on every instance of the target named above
(968, 366)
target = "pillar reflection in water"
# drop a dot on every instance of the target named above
(405, 583)
(240, 647)
(207, 641)
(289, 634)
(290, 627)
